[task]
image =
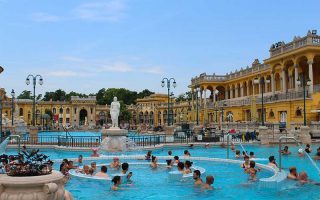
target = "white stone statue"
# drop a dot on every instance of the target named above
(114, 112)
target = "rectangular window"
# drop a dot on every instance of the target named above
(75, 111)
(68, 120)
(60, 120)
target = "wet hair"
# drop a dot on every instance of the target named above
(286, 147)
(251, 153)
(169, 162)
(245, 157)
(237, 152)
(93, 163)
(181, 165)
(125, 166)
(209, 179)
(188, 163)
(271, 158)
(244, 153)
(176, 157)
(153, 158)
(80, 156)
(70, 162)
(186, 151)
(149, 153)
(91, 171)
(292, 169)
(169, 153)
(252, 164)
(65, 160)
(104, 168)
(308, 145)
(197, 172)
(116, 179)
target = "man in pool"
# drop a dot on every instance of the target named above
(186, 153)
(115, 163)
(293, 175)
(80, 161)
(272, 162)
(125, 168)
(103, 172)
(180, 167)
(196, 177)
(116, 183)
(246, 164)
(94, 166)
(285, 151)
(209, 182)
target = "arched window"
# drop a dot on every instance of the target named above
(54, 110)
(298, 112)
(21, 112)
(68, 111)
(271, 114)
(61, 111)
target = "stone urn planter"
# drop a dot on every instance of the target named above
(45, 187)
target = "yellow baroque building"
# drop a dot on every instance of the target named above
(237, 96)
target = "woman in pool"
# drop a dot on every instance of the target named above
(154, 163)
(180, 167)
(85, 169)
(116, 182)
(272, 162)
(103, 172)
(176, 159)
(293, 175)
(285, 151)
(308, 149)
(169, 164)
(94, 166)
(148, 156)
(115, 163)
(187, 165)
(209, 182)
(238, 154)
(252, 171)
(246, 164)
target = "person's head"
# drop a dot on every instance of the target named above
(168, 162)
(209, 180)
(65, 161)
(91, 171)
(104, 169)
(188, 164)
(246, 158)
(286, 148)
(272, 159)
(196, 174)
(238, 152)
(308, 145)
(244, 153)
(24, 147)
(80, 158)
(176, 157)
(180, 165)
(86, 168)
(115, 159)
(149, 153)
(70, 163)
(293, 170)
(251, 153)
(186, 152)
(303, 176)
(252, 164)
(116, 180)
(170, 153)
(125, 166)
(94, 165)
(154, 159)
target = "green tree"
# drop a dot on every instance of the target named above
(124, 115)
(100, 97)
(184, 97)
(72, 93)
(144, 93)
(25, 95)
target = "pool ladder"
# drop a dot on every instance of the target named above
(293, 138)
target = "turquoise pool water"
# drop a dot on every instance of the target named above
(230, 181)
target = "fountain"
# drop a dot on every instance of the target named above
(114, 138)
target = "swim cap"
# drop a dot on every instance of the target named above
(300, 150)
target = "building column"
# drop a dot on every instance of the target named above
(260, 87)
(265, 85)
(310, 76)
(227, 94)
(272, 83)
(248, 90)
(284, 82)
(200, 97)
(205, 105)
(236, 95)
(192, 105)
(241, 90)
(231, 93)
(253, 87)
(296, 75)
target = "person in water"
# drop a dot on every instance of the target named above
(272, 162)
(238, 154)
(180, 167)
(125, 168)
(252, 154)
(293, 175)
(303, 177)
(169, 164)
(85, 169)
(187, 165)
(94, 152)
(103, 172)
(116, 182)
(246, 164)
(244, 153)
(154, 163)
(317, 156)
(197, 177)
(308, 148)
(115, 163)
(148, 156)
(233, 147)
(252, 171)
(300, 152)
(186, 153)
(176, 159)
(90, 172)
(94, 166)
(209, 182)
(285, 151)
(80, 161)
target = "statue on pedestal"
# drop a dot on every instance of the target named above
(114, 112)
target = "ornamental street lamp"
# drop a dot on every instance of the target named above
(12, 106)
(304, 83)
(215, 93)
(262, 82)
(174, 84)
(197, 105)
(34, 82)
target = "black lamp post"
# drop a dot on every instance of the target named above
(262, 82)
(304, 83)
(12, 106)
(197, 106)
(0, 116)
(34, 82)
(174, 84)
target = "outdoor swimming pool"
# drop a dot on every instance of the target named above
(230, 181)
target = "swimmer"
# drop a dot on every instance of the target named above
(103, 172)
(180, 167)
(223, 145)
(308, 149)
(80, 161)
(125, 168)
(85, 169)
(244, 154)
(94, 152)
(207, 145)
(252, 171)
(94, 166)
(129, 181)
(238, 154)
(116, 182)
(317, 156)
(300, 153)
(186, 153)
(115, 163)
(191, 146)
(148, 156)
(169, 153)
(169, 164)
(252, 154)
(176, 159)
(293, 175)
(303, 177)
(246, 164)
(90, 172)
(272, 162)
(187, 165)
(233, 147)
(154, 163)
(209, 182)
(196, 177)
(285, 151)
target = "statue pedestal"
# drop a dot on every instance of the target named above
(113, 132)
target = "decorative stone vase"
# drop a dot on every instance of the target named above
(46, 187)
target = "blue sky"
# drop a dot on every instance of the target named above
(84, 46)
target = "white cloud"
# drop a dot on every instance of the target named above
(152, 70)
(109, 11)
(45, 17)
(68, 73)
(72, 59)
(116, 67)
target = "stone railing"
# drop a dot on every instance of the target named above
(310, 39)
(77, 98)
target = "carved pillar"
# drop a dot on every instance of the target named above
(231, 93)
(260, 87)
(236, 95)
(248, 89)
(242, 92)
(265, 85)
(253, 88)
(205, 104)
(272, 83)
(284, 81)
(296, 75)
(310, 76)
(192, 105)
(227, 94)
